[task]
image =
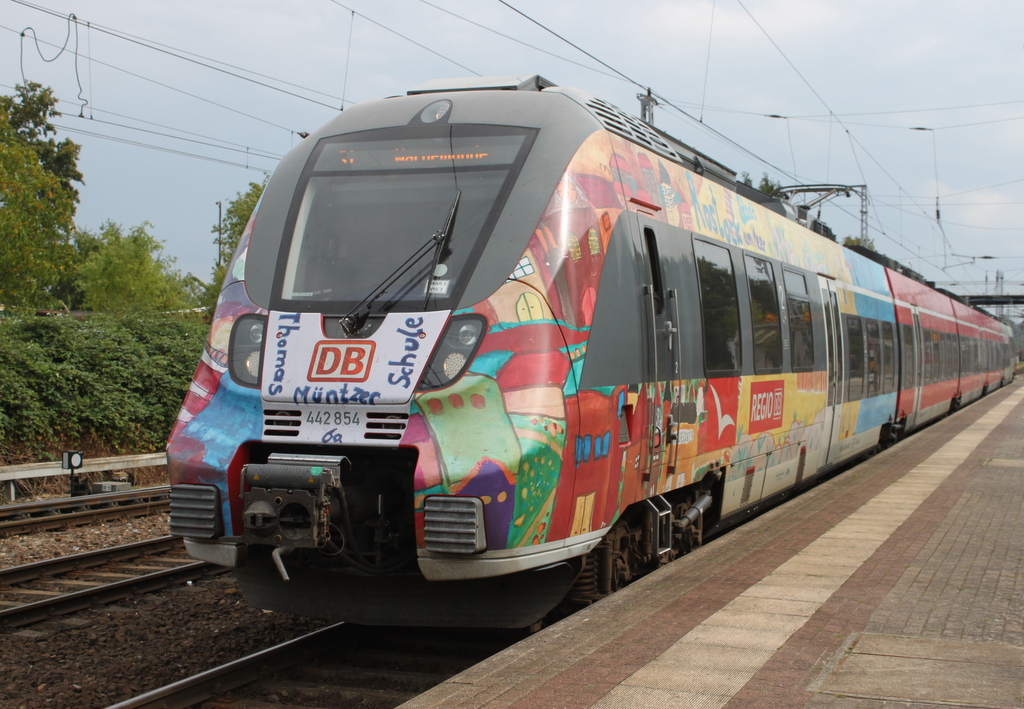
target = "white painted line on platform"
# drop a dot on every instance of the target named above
(753, 627)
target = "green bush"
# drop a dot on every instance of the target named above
(107, 383)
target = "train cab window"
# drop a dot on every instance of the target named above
(888, 358)
(801, 336)
(368, 202)
(909, 369)
(719, 308)
(855, 358)
(764, 311)
(874, 370)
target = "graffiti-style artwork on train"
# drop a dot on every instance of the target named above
(485, 355)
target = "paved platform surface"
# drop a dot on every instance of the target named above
(898, 584)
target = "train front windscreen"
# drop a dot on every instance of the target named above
(413, 205)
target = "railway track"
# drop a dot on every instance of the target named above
(26, 517)
(34, 592)
(339, 666)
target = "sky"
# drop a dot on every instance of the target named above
(179, 105)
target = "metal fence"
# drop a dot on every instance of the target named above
(10, 474)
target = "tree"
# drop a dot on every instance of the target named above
(865, 241)
(68, 291)
(29, 116)
(36, 223)
(768, 186)
(128, 272)
(236, 216)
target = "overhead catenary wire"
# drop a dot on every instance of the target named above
(407, 39)
(833, 118)
(348, 58)
(662, 99)
(239, 149)
(520, 42)
(138, 144)
(707, 63)
(184, 56)
(71, 21)
(176, 90)
(657, 95)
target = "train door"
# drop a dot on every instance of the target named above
(661, 296)
(834, 369)
(918, 365)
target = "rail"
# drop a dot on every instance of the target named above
(193, 690)
(15, 614)
(26, 517)
(10, 474)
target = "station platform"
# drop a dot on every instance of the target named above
(898, 584)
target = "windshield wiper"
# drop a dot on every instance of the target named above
(443, 249)
(353, 322)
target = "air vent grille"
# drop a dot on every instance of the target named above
(195, 511)
(385, 426)
(278, 422)
(631, 128)
(454, 525)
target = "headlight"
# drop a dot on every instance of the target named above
(245, 351)
(454, 352)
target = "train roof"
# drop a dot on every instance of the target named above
(524, 100)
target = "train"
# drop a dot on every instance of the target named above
(489, 350)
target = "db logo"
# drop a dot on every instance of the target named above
(341, 361)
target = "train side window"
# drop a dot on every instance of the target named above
(720, 310)
(945, 357)
(855, 344)
(909, 369)
(888, 358)
(874, 370)
(949, 355)
(764, 310)
(801, 337)
(927, 356)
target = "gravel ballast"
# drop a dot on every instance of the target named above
(102, 656)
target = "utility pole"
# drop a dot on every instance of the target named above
(220, 231)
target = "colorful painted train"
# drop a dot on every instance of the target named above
(493, 348)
